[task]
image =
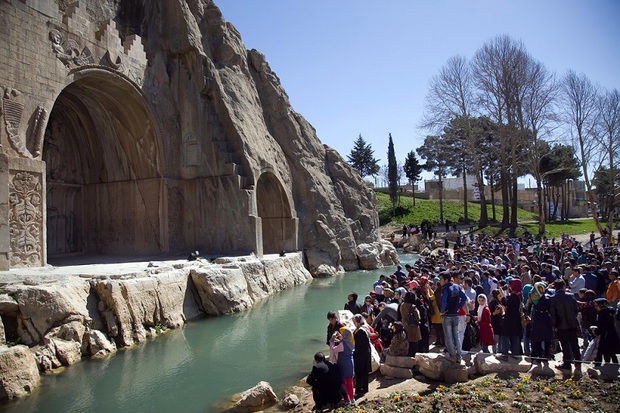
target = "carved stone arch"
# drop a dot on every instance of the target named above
(103, 154)
(278, 221)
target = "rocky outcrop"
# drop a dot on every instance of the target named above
(92, 316)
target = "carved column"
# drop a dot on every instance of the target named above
(26, 212)
(5, 244)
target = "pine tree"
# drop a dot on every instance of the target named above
(392, 174)
(413, 170)
(361, 158)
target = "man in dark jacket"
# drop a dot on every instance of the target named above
(325, 381)
(563, 309)
(609, 343)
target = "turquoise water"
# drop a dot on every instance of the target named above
(196, 368)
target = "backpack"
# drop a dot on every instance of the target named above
(454, 299)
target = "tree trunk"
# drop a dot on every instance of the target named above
(440, 199)
(505, 198)
(465, 215)
(484, 214)
(494, 213)
(540, 200)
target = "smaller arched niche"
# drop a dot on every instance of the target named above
(279, 227)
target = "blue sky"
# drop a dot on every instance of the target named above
(363, 67)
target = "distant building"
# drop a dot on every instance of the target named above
(527, 197)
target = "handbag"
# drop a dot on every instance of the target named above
(411, 319)
(525, 320)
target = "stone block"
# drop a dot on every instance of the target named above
(459, 373)
(487, 364)
(396, 372)
(403, 362)
(434, 366)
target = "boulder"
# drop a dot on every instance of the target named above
(98, 344)
(19, 374)
(434, 366)
(387, 253)
(290, 401)
(260, 395)
(368, 256)
(2, 333)
(68, 352)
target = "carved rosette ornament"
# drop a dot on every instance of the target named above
(25, 219)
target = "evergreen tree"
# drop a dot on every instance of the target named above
(392, 174)
(361, 158)
(413, 170)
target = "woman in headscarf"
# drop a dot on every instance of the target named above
(399, 346)
(484, 324)
(511, 323)
(497, 313)
(436, 316)
(542, 330)
(361, 355)
(410, 316)
(343, 343)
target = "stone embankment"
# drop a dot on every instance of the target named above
(53, 321)
(55, 316)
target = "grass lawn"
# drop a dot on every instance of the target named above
(408, 214)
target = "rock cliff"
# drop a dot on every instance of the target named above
(245, 99)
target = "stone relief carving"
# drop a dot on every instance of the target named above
(25, 218)
(116, 64)
(190, 150)
(38, 130)
(68, 52)
(13, 111)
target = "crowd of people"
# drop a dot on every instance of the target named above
(508, 297)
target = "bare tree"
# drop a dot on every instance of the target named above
(500, 69)
(609, 138)
(451, 98)
(540, 117)
(580, 104)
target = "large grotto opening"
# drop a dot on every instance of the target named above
(104, 187)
